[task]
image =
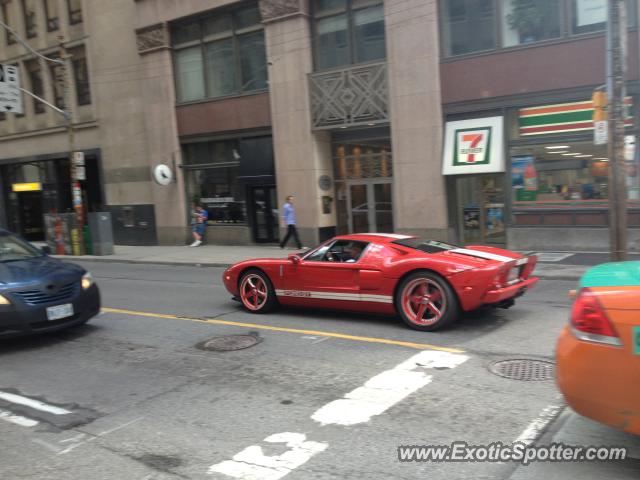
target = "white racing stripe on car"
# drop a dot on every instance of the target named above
(388, 235)
(353, 297)
(36, 404)
(479, 254)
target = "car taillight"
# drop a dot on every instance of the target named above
(589, 320)
(528, 268)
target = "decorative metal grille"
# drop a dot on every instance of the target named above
(355, 95)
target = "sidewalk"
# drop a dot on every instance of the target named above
(551, 265)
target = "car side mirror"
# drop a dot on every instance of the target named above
(46, 250)
(294, 257)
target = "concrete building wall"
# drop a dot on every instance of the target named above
(301, 156)
(419, 194)
(118, 81)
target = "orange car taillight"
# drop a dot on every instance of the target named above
(589, 320)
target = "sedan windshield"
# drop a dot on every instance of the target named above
(12, 249)
(428, 246)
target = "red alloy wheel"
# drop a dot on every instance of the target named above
(424, 301)
(253, 292)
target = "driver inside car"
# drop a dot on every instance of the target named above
(352, 252)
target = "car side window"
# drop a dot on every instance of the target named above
(319, 254)
(345, 251)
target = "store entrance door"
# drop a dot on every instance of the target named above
(480, 206)
(265, 214)
(369, 206)
(31, 219)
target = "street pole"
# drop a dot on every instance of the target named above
(616, 69)
(77, 239)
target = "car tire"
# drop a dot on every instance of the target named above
(256, 292)
(426, 302)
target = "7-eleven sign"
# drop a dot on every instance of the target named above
(472, 146)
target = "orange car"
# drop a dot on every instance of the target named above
(598, 353)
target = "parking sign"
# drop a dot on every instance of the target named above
(10, 95)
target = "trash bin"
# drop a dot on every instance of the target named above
(101, 233)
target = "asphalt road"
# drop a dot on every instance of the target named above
(323, 395)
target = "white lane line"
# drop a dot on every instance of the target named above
(252, 464)
(99, 435)
(386, 389)
(377, 395)
(534, 429)
(38, 405)
(17, 419)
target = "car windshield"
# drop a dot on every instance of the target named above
(428, 246)
(13, 249)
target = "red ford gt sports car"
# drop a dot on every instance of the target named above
(427, 283)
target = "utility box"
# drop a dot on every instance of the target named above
(101, 233)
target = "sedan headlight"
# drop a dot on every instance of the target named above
(4, 300)
(87, 281)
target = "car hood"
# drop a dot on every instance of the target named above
(35, 270)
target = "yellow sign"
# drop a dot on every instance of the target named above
(27, 187)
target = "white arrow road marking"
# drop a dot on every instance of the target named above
(36, 404)
(386, 389)
(376, 396)
(17, 419)
(253, 464)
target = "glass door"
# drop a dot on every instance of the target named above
(370, 207)
(480, 204)
(265, 214)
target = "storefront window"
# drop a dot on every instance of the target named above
(211, 175)
(546, 175)
(527, 21)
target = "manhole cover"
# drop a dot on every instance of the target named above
(524, 369)
(229, 343)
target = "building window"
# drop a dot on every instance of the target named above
(219, 55)
(75, 11)
(348, 32)
(591, 15)
(51, 11)
(35, 82)
(81, 76)
(57, 82)
(469, 26)
(8, 16)
(211, 170)
(29, 13)
(527, 21)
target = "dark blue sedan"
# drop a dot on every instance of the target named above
(41, 294)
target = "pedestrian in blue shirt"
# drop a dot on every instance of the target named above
(200, 217)
(289, 220)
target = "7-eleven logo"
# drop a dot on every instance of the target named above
(471, 146)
